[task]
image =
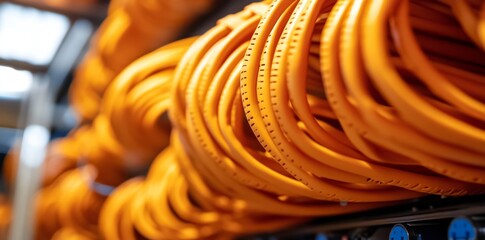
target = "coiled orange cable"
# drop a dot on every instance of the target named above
(267, 111)
(164, 209)
(110, 151)
(215, 158)
(356, 125)
(132, 29)
(70, 203)
(285, 111)
(291, 120)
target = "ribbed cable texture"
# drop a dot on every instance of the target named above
(283, 112)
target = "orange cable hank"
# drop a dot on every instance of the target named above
(283, 112)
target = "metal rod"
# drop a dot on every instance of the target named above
(32, 152)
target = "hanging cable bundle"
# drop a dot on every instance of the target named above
(138, 97)
(259, 143)
(124, 36)
(132, 29)
(168, 205)
(177, 200)
(296, 126)
(232, 169)
(69, 203)
(400, 106)
(112, 151)
(208, 115)
(312, 150)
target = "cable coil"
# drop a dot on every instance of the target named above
(284, 111)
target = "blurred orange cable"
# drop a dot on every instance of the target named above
(132, 29)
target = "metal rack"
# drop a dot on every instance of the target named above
(425, 218)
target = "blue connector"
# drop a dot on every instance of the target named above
(462, 228)
(321, 236)
(399, 232)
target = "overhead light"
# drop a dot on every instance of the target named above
(14, 82)
(30, 35)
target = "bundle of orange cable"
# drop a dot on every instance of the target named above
(325, 157)
(132, 29)
(111, 150)
(70, 203)
(208, 115)
(291, 110)
(163, 210)
(411, 101)
(173, 202)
